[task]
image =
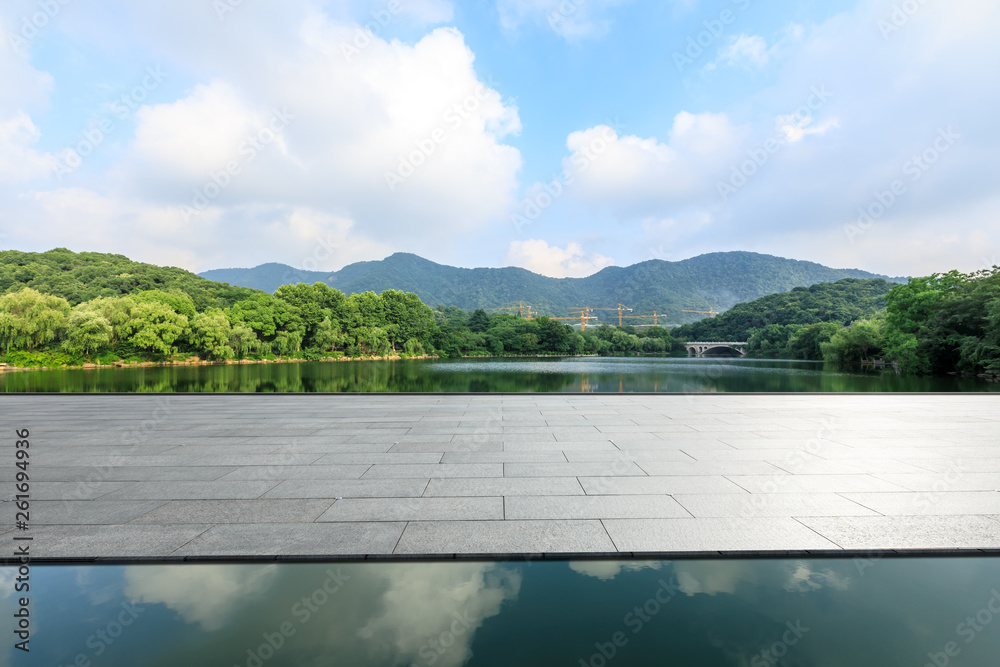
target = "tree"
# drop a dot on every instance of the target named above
(116, 311)
(856, 343)
(312, 304)
(244, 341)
(210, 333)
(807, 342)
(264, 314)
(479, 321)
(154, 327)
(328, 336)
(88, 331)
(29, 319)
(177, 301)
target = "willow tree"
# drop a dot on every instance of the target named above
(88, 332)
(29, 319)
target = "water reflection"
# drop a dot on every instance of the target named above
(568, 374)
(725, 613)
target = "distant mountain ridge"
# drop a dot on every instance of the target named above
(716, 280)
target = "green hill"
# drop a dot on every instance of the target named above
(716, 280)
(842, 302)
(79, 277)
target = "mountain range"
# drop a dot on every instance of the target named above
(715, 281)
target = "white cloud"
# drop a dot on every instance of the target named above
(357, 115)
(606, 570)
(18, 161)
(569, 262)
(202, 594)
(451, 598)
(570, 19)
(803, 579)
(747, 51)
(752, 52)
(636, 177)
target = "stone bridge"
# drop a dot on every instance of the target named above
(709, 349)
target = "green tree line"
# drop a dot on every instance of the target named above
(943, 323)
(302, 321)
(307, 321)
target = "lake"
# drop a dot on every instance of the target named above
(556, 374)
(686, 613)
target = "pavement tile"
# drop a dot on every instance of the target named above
(504, 457)
(728, 534)
(616, 486)
(785, 483)
(503, 537)
(930, 503)
(592, 507)
(770, 505)
(191, 490)
(81, 512)
(617, 468)
(505, 486)
(951, 481)
(348, 488)
(235, 511)
(283, 539)
(434, 470)
(415, 509)
(908, 532)
(119, 541)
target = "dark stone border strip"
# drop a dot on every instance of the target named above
(873, 554)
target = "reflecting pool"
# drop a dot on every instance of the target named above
(850, 611)
(553, 374)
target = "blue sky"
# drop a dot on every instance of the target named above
(558, 135)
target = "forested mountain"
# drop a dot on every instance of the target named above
(716, 280)
(79, 277)
(841, 303)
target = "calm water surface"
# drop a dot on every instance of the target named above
(566, 374)
(823, 613)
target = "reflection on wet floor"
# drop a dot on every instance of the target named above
(851, 611)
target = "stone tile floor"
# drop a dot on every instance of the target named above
(215, 476)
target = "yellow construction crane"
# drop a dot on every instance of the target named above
(711, 312)
(582, 314)
(520, 308)
(654, 316)
(620, 310)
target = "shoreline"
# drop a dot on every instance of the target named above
(195, 361)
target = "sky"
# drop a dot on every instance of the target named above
(561, 136)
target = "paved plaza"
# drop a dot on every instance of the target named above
(220, 475)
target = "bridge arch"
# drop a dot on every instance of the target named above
(717, 349)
